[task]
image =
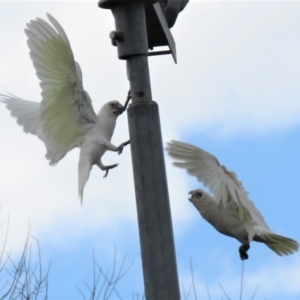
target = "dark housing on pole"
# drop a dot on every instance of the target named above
(160, 17)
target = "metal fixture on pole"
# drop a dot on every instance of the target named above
(140, 26)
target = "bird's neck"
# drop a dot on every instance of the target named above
(206, 205)
(107, 125)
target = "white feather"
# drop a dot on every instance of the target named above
(84, 168)
(227, 221)
(208, 170)
(26, 112)
(230, 206)
(65, 118)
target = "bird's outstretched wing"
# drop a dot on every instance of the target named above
(226, 188)
(66, 111)
(27, 113)
(201, 164)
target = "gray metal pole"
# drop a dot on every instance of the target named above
(153, 208)
(155, 225)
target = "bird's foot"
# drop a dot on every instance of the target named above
(107, 168)
(120, 148)
(243, 251)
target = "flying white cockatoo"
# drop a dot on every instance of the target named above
(65, 118)
(230, 211)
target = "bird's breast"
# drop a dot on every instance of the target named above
(226, 223)
(94, 150)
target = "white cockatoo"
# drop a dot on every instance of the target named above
(65, 118)
(230, 211)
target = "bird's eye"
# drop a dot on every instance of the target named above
(198, 195)
(111, 105)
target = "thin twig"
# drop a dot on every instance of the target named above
(120, 275)
(207, 292)
(103, 284)
(112, 275)
(242, 279)
(190, 289)
(80, 292)
(4, 244)
(98, 277)
(109, 280)
(186, 297)
(224, 291)
(254, 292)
(117, 279)
(27, 282)
(193, 283)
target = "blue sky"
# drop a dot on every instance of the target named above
(234, 92)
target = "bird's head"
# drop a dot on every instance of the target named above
(196, 195)
(114, 108)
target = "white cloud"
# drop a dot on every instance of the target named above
(47, 195)
(238, 68)
(225, 65)
(275, 279)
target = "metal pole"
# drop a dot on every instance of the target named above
(154, 216)
(152, 199)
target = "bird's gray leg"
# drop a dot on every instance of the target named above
(243, 251)
(120, 148)
(105, 168)
(111, 147)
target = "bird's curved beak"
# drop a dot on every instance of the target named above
(191, 198)
(120, 110)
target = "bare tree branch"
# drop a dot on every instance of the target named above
(25, 280)
(109, 281)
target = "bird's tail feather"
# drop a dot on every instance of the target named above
(26, 112)
(84, 168)
(281, 245)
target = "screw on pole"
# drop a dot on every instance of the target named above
(151, 190)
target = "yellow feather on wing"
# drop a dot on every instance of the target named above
(66, 111)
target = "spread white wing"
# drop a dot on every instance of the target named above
(223, 184)
(66, 111)
(27, 113)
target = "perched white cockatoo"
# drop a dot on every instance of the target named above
(230, 211)
(65, 118)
